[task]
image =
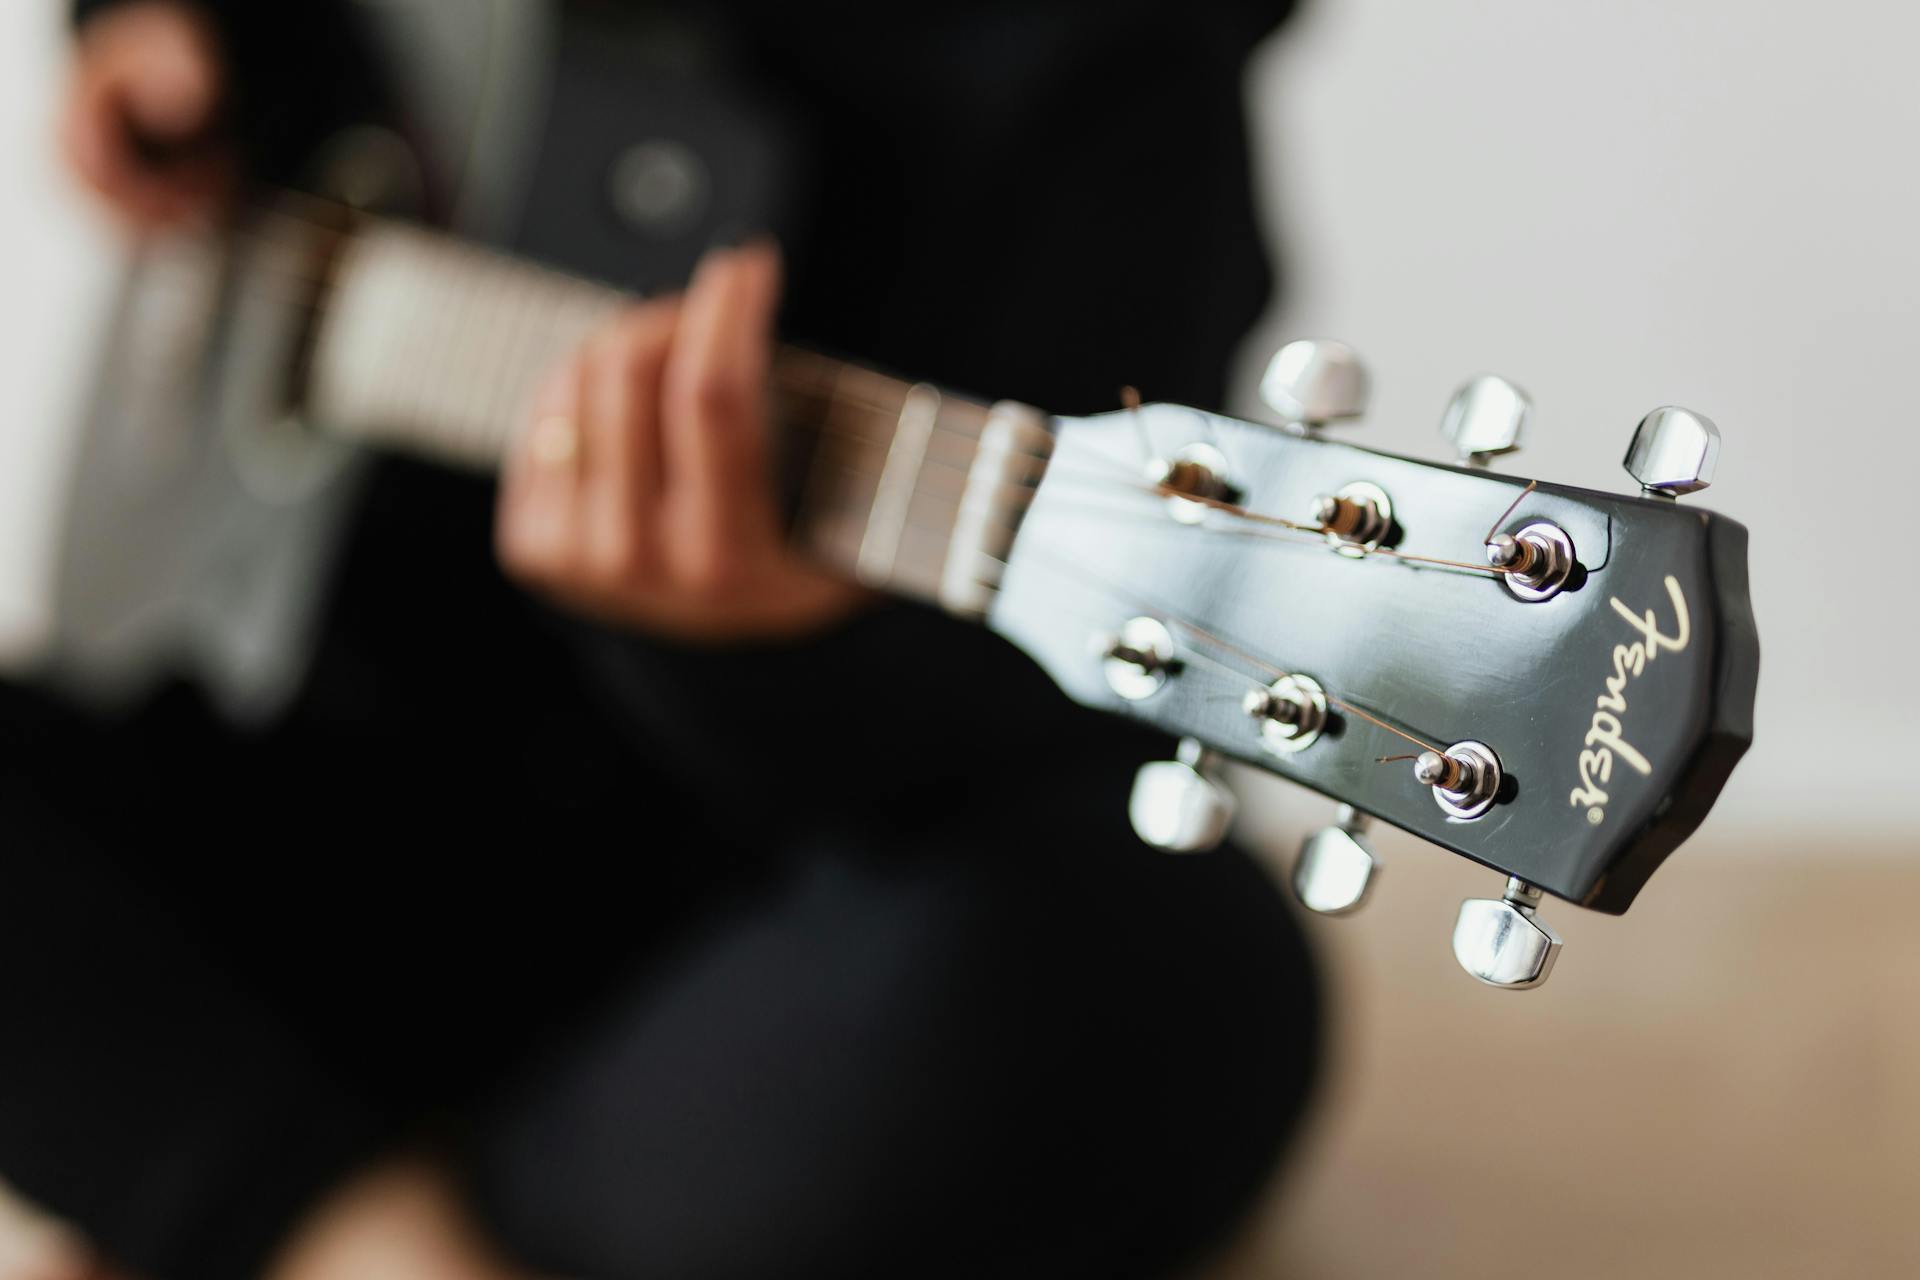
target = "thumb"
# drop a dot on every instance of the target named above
(173, 87)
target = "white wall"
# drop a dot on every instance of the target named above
(57, 264)
(1710, 202)
(1713, 203)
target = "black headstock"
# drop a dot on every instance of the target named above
(1616, 707)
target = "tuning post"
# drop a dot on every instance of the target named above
(1538, 559)
(1502, 941)
(1336, 865)
(1465, 778)
(1311, 382)
(1181, 805)
(1291, 713)
(1138, 659)
(1359, 516)
(1198, 471)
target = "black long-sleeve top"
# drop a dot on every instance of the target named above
(1040, 202)
(1125, 251)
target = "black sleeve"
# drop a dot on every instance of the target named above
(145, 1095)
(884, 722)
(297, 72)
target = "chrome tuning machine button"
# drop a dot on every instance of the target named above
(1485, 419)
(1503, 942)
(1181, 805)
(1673, 452)
(1336, 865)
(1311, 382)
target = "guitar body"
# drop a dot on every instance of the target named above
(201, 517)
(1551, 681)
(204, 511)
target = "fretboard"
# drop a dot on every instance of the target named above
(433, 346)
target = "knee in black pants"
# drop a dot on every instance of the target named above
(933, 1063)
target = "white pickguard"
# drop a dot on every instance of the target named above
(144, 530)
(63, 260)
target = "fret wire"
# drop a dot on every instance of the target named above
(449, 392)
(788, 359)
(884, 414)
(507, 388)
(784, 384)
(471, 330)
(947, 469)
(476, 336)
(807, 520)
(503, 385)
(821, 428)
(439, 401)
(405, 394)
(948, 489)
(430, 392)
(481, 322)
(879, 551)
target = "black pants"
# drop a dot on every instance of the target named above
(998, 1054)
(1001, 1040)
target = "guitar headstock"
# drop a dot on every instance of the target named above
(1552, 681)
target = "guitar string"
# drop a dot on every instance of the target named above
(1253, 682)
(1196, 654)
(1274, 672)
(1351, 550)
(1101, 618)
(1311, 534)
(1511, 508)
(835, 397)
(1129, 395)
(1233, 510)
(1082, 577)
(1314, 533)
(1081, 574)
(795, 371)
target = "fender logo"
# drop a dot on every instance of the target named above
(1606, 739)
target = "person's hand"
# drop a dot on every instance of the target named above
(640, 492)
(141, 111)
(402, 1219)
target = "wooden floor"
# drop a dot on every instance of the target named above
(1723, 1083)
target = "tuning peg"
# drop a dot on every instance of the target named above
(1313, 381)
(1336, 865)
(1673, 452)
(1501, 942)
(1179, 805)
(1484, 419)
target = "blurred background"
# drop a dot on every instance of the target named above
(1617, 206)
(1620, 206)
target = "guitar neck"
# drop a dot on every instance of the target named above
(437, 347)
